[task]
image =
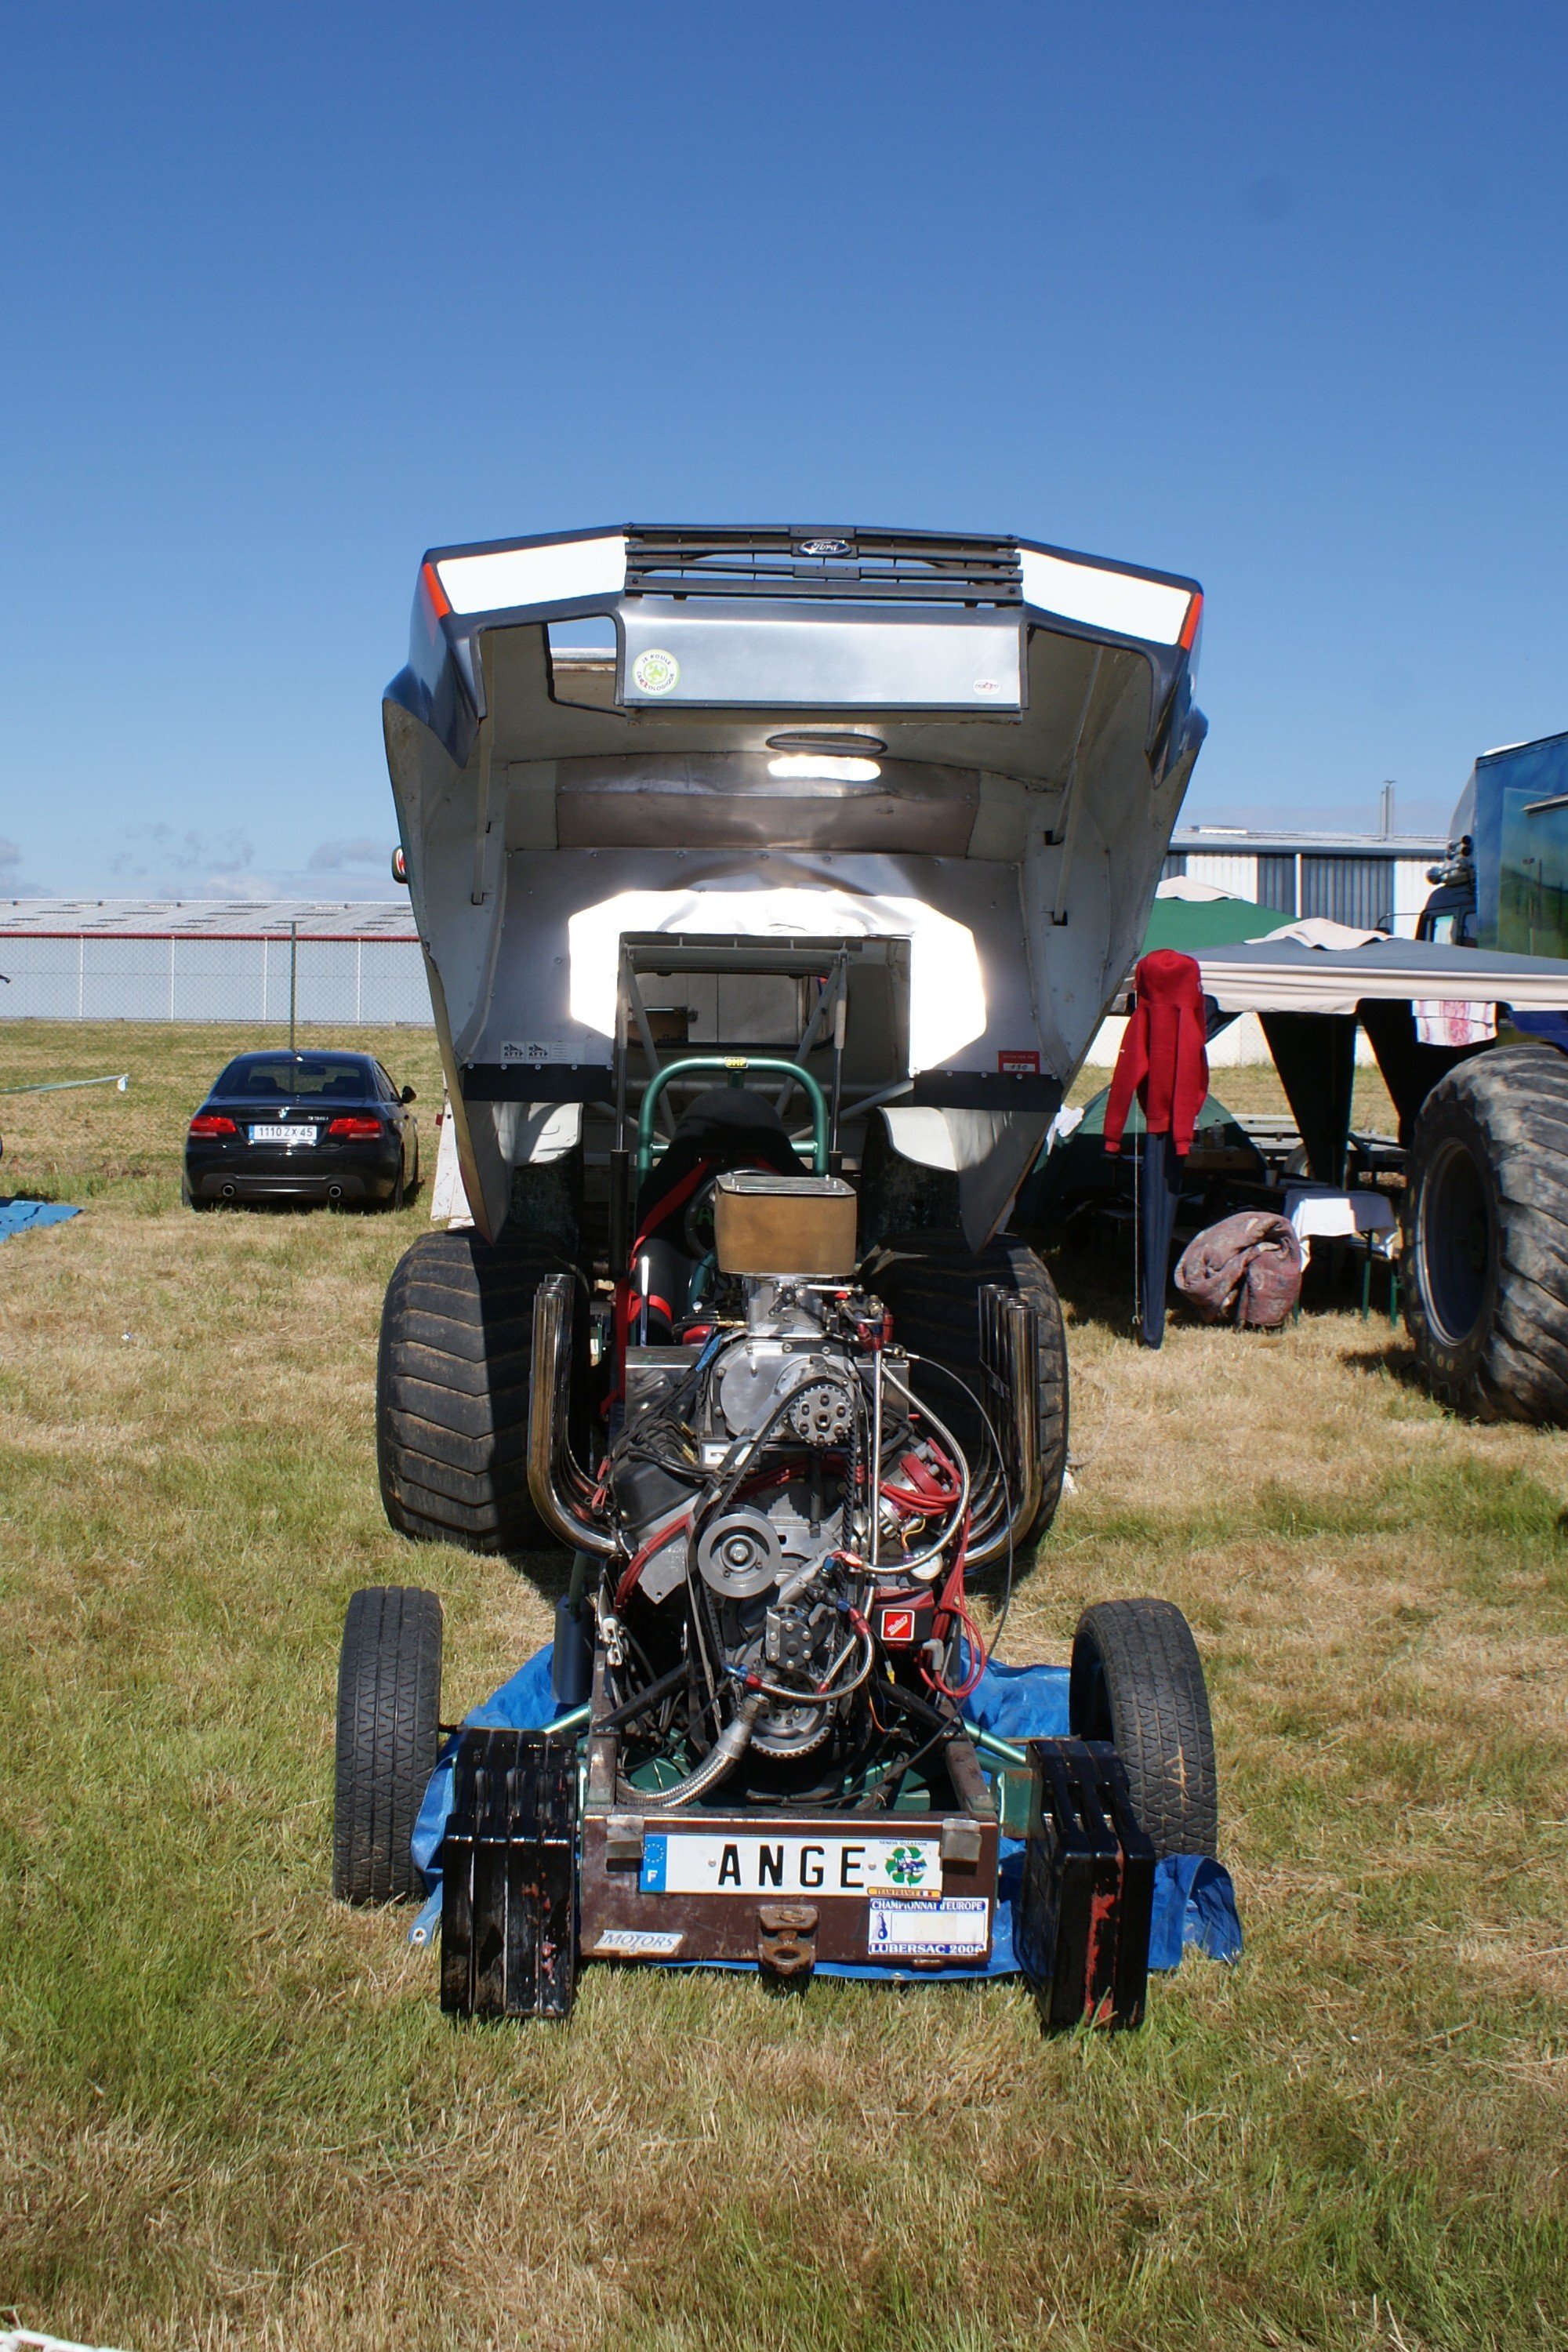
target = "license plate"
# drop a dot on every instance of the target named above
(684, 1862)
(283, 1134)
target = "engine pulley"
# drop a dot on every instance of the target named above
(741, 1555)
(820, 1413)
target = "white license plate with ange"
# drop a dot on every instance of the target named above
(283, 1134)
(679, 1862)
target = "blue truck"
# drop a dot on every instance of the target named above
(1486, 1217)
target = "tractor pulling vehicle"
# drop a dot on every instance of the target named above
(861, 828)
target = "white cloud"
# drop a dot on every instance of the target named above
(165, 864)
(361, 850)
(14, 884)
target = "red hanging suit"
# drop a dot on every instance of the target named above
(1163, 1053)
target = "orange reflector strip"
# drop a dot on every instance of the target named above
(440, 603)
(1189, 627)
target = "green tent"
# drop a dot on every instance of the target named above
(1191, 924)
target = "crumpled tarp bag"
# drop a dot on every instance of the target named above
(1194, 1902)
(1246, 1269)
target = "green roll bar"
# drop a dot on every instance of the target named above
(733, 1065)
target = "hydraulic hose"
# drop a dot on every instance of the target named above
(927, 1565)
(717, 1765)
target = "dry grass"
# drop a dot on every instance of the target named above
(232, 2115)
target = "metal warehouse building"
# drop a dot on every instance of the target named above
(357, 962)
(1377, 883)
(350, 964)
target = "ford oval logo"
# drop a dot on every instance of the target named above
(824, 547)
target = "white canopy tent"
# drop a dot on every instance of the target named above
(1284, 974)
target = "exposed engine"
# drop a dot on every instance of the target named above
(794, 1524)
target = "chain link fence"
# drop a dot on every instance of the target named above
(344, 980)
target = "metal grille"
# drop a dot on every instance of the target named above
(926, 567)
(1357, 891)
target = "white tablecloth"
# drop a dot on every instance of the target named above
(1321, 1212)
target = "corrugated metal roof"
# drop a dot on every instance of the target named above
(1228, 840)
(318, 918)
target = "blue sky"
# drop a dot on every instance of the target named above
(1273, 297)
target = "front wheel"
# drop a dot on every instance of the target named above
(1138, 1681)
(389, 1714)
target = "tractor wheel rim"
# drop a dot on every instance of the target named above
(1456, 1242)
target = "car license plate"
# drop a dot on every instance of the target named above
(283, 1135)
(682, 1862)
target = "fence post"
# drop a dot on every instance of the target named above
(293, 979)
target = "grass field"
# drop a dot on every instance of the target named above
(231, 2115)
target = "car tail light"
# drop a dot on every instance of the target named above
(355, 1131)
(1189, 635)
(212, 1122)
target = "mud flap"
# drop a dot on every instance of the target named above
(509, 1883)
(1088, 1889)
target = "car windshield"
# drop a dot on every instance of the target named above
(297, 1077)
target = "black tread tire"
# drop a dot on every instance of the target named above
(451, 1392)
(1484, 1260)
(1138, 1680)
(188, 1198)
(929, 1281)
(389, 1709)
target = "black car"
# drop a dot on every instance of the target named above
(302, 1127)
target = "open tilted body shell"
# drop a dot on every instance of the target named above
(965, 756)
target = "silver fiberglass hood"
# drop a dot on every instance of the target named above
(964, 756)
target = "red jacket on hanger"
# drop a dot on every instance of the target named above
(1163, 1053)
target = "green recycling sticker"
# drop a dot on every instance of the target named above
(656, 672)
(906, 1865)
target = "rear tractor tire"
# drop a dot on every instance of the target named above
(389, 1710)
(1137, 1680)
(452, 1385)
(929, 1281)
(1484, 1259)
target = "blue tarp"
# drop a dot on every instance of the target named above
(20, 1216)
(1194, 1900)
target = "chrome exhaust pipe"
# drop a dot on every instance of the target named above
(228, 1192)
(1010, 1354)
(562, 1494)
(334, 1191)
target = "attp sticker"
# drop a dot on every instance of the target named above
(656, 672)
(516, 1051)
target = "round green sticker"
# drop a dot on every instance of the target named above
(906, 1864)
(656, 672)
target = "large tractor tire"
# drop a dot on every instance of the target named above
(389, 1714)
(1137, 1680)
(929, 1281)
(452, 1383)
(1485, 1254)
